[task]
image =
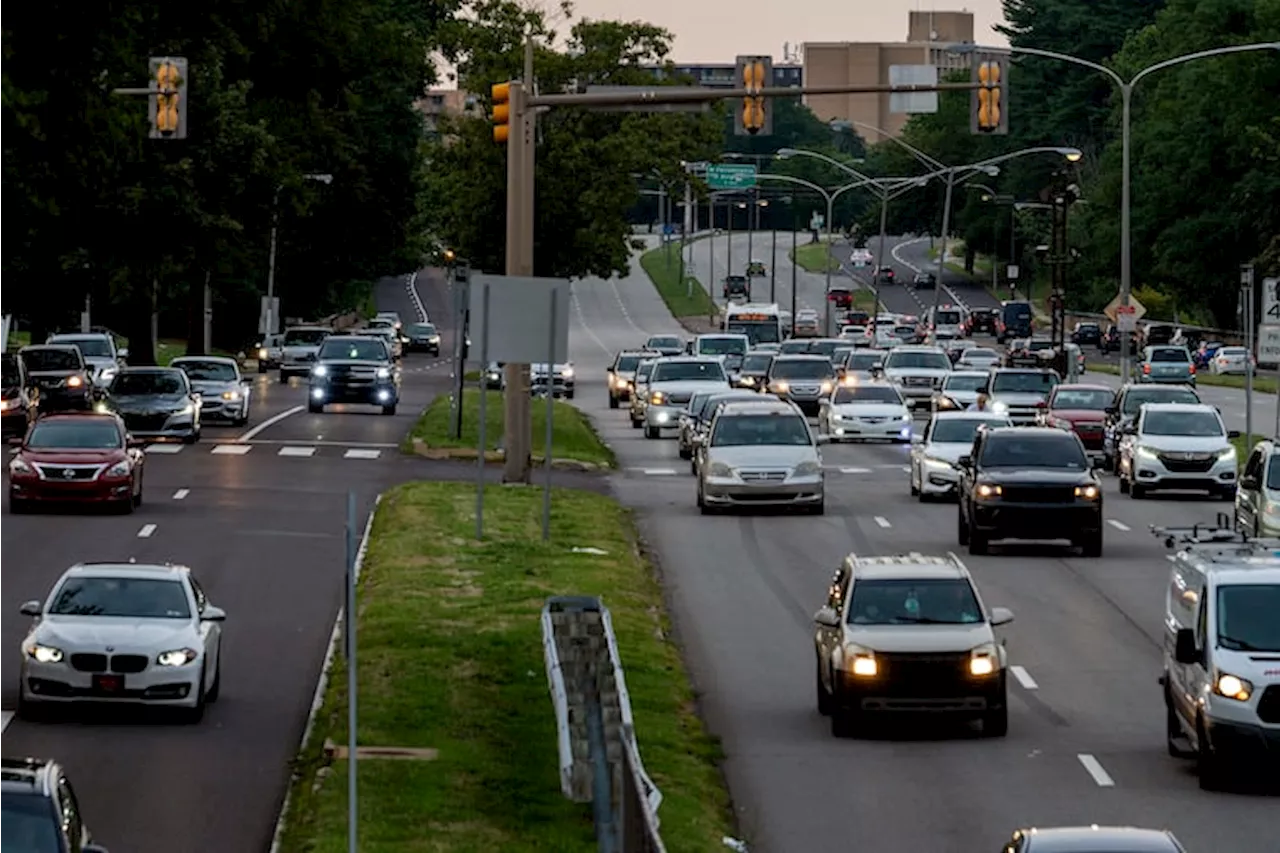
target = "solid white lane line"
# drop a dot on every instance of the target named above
(412, 286)
(146, 530)
(357, 453)
(1094, 768)
(659, 472)
(164, 449)
(1024, 677)
(303, 452)
(1119, 525)
(270, 422)
(855, 470)
(181, 494)
(882, 521)
(6, 717)
(231, 449)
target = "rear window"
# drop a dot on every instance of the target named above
(1017, 310)
(947, 318)
(1170, 355)
(52, 360)
(722, 346)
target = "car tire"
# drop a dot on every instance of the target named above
(568, 395)
(28, 711)
(195, 713)
(652, 432)
(996, 723)
(962, 528)
(1172, 730)
(824, 695)
(613, 402)
(284, 378)
(820, 508)
(1091, 545)
(192, 438)
(137, 499)
(389, 410)
(915, 489)
(1124, 484)
(635, 424)
(315, 408)
(979, 544)
(685, 453)
(1137, 492)
(1208, 765)
(844, 722)
(19, 506)
(262, 367)
(215, 689)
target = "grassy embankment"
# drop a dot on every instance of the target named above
(451, 663)
(684, 298)
(572, 437)
(816, 258)
(1261, 384)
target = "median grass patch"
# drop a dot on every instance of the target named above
(572, 436)
(450, 659)
(815, 257)
(1261, 384)
(684, 298)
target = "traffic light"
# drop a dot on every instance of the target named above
(989, 109)
(501, 112)
(754, 117)
(168, 101)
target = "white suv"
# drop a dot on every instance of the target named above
(1177, 446)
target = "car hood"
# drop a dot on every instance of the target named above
(670, 350)
(681, 386)
(81, 633)
(948, 451)
(965, 397)
(869, 410)
(300, 348)
(55, 456)
(1035, 477)
(931, 372)
(1183, 443)
(99, 363)
(143, 403)
(354, 363)
(214, 389)
(1017, 398)
(1075, 415)
(920, 638)
(763, 456)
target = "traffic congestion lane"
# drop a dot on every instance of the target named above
(811, 288)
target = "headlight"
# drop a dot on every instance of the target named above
(938, 463)
(44, 654)
(231, 395)
(999, 408)
(1145, 452)
(101, 408)
(780, 387)
(904, 416)
(808, 469)
(1227, 453)
(657, 398)
(860, 661)
(850, 380)
(262, 353)
(188, 409)
(384, 373)
(434, 339)
(1230, 686)
(74, 381)
(176, 657)
(1087, 492)
(120, 469)
(17, 466)
(319, 370)
(988, 490)
(1059, 423)
(747, 380)
(719, 469)
(983, 659)
(567, 373)
(6, 405)
(826, 387)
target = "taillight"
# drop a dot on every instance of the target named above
(1191, 368)
(1146, 368)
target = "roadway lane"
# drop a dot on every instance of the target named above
(743, 589)
(262, 525)
(911, 254)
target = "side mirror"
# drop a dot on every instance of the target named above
(213, 614)
(1235, 433)
(1249, 483)
(1001, 616)
(964, 461)
(15, 441)
(1184, 646)
(827, 618)
(123, 352)
(30, 608)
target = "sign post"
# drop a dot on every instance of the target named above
(1269, 336)
(1251, 343)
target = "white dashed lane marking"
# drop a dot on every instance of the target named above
(882, 521)
(659, 472)
(6, 717)
(1119, 525)
(1024, 677)
(302, 452)
(358, 453)
(146, 530)
(855, 470)
(164, 449)
(1094, 769)
(232, 449)
(181, 494)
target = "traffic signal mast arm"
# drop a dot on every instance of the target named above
(657, 95)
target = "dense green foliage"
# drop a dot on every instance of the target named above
(278, 90)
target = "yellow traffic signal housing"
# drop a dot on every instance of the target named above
(168, 101)
(501, 112)
(755, 117)
(988, 107)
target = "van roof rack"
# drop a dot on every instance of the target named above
(1221, 532)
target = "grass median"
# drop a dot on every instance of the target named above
(1261, 384)
(572, 436)
(450, 659)
(815, 257)
(684, 298)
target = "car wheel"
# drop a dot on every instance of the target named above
(652, 432)
(820, 508)
(192, 438)
(1124, 484)
(915, 489)
(613, 402)
(1091, 546)
(996, 723)
(137, 498)
(635, 424)
(19, 506)
(389, 410)
(685, 453)
(215, 689)
(1208, 765)
(1173, 736)
(1137, 492)
(195, 713)
(843, 721)
(568, 395)
(284, 378)
(824, 695)
(962, 528)
(262, 367)
(315, 408)
(28, 711)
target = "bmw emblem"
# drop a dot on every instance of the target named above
(111, 648)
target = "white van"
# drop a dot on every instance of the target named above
(1222, 650)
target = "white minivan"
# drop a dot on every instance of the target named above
(1222, 651)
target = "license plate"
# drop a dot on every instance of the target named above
(108, 683)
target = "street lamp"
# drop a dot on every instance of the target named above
(269, 314)
(1126, 101)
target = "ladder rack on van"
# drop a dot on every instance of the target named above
(1201, 537)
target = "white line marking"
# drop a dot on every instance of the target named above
(6, 717)
(1119, 525)
(411, 285)
(270, 422)
(303, 452)
(164, 449)
(882, 521)
(146, 530)
(231, 449)
(1095, 770)
(181, 494)
(855, 470)
(659, 472)
(1024, 677)
(357, 453)
(319, 443)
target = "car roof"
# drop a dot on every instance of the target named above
(907, 566)
(799, 356)
(918, 348)
(1083, 386)
(79, 416)
(351, 336)
(1115, 839)
(689, 359)
(27, 775)
(1020, 370)
(754, 407)
(59, 347)
(1030, 431)
(220, 359)
(963, 415)
(136, 571)
(1178, 407)
(77, 336)
(641, 352)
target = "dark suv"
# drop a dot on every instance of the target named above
(59, 373)
(41, 814)
(354, 369)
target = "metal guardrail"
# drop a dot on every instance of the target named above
(598, 755)
(1232, 337)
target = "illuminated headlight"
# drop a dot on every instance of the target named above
(850, 380)
(780, 387)
(567, 373)
(177, 657)
(17, 466)
(1145, 452)
(826, 387)
(262, 353)
(44, 654)
(120, 469)
(1233, 687)
(808, 469)
(493, 376)
(1227, 453)
(657, 398)
(384, 373)
(384, 395)
(988, 490)
(231, 395)
(860, 661)
(904, 416)
(317, 393)
(983, 659)
(1089, 492)
(719, 469)
(747, 380)
(434, 339)
(6, 405)
(319, 370)
(74, 381)
(935, 462)
(1000, 408)
(101, 408)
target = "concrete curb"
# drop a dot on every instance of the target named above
(420, 448)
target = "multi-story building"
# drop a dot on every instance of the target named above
(720, 75)
(440, 102)
(868, 63)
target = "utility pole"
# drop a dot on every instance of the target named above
(1250, 342)
(795, 233)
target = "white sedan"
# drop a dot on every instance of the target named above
(1232, 361)
(123, 633)
(865, 410)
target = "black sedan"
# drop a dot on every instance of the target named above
(155, 403)
(1086, 333)
(422, 337)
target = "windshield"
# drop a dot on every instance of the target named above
(1091, 399)
(661, 342)
(86, 434)
(1034, 451)
(960, 382)
(941, 601)
(304, 337)
(947, 318)
(925, 360)
(689, 371)
(148, 382)
(1273, 473)
(757, 362)
(1197, 424)
(865, 360)
(1137, 396)
(866, 394)
(29, 825)
(627, 363)
(644, 370)
(793, 347)
(1172, 354)
(208, 371)
(369, 349)
(1023, 383)
(755, 430)
(807, 368)
(961, 430)
(758, 331)
(722, 346)
(143, 598)
(51, 360)
(96, 347)
(1247, 617)
(980, 355)
(422, 329)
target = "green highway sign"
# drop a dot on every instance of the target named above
(731, 176)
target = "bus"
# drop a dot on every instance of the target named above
(760, 322)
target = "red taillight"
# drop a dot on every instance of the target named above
(1191, 368)
(1146, 368)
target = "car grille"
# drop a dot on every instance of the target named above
(68, 473)
(762, 476)
(1188, 463)
(1269, 705)
(925, 675)
(211, 402)
(89, 663)
(679, 398)
(918, 381)
(146, 423)
(1039, 494)
(128, 663)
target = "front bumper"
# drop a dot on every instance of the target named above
(225, 410)
(423, 345)
(1244, 742)
(1155, 473)
(1015, 520)
(662, 417)
(943, 690)
(102, 490)
(373, 394)
(620, 389)
(938, 478)
(161, 426)
(793, 491)
(559, 387)
(849, 428)
(155, 685)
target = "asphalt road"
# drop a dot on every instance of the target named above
(1086, 741)
(258, 514)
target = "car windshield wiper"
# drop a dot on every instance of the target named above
(1240, 645)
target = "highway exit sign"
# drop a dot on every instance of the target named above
(731, 176)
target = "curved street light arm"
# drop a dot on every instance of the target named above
(791, 152)
(915, 152)
(1201, 54)
(1066, 57)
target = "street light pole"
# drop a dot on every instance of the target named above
(942, 248)
(272, 320)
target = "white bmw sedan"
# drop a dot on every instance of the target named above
(122, 632)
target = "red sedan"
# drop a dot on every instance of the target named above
(1081, 409)
(76, 458)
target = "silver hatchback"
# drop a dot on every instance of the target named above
(760, 454)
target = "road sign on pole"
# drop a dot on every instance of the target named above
(1135, 310)
(731, 176)
(913, 102)
(1270, 302)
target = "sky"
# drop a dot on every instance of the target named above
(723, 29)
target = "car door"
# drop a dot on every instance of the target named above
(210, 632)
(827, 639)
(1249, 499)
